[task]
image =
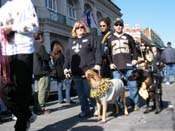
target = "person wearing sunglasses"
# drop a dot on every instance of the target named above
(82, 53)
(121, 53)
(104, 24)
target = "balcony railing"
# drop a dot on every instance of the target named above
(55, 16)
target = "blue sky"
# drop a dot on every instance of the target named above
(157, 14)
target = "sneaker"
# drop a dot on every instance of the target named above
(136, 108)
(31, 120)
(42, 111)
(46, 111)
(62, 102)
(14, 118)
(71, 102)
(82, 115)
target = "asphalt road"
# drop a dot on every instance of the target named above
(64, 117)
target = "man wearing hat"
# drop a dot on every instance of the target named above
(122, 53)
(168, 57)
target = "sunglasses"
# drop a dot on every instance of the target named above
(102, 25)
(80, 27)
(117, 24)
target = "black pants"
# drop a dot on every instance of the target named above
(21, 68)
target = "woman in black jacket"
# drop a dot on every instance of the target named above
(41, 72)
(57, 58)
(83, 52)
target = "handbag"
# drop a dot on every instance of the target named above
(143, 91)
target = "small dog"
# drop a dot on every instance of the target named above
(104, 91)
(151, 81)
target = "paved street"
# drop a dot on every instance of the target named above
(64, 118)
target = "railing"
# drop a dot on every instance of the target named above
(55, 16)
(70, 21)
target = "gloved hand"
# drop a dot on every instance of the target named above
(97, 67)
(67, 73)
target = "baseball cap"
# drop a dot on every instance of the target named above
(169, 43)
(118, 21)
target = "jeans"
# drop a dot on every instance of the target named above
(60, 90)
(132, 85)
(170, 70)
(67, 84)
(3, 107)
(83, 91)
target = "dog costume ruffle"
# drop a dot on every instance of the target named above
(101, 90)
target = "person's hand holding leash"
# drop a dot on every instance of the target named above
(67, 73)
(134, 62)
(113, 66)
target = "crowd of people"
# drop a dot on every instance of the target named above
(112, 54)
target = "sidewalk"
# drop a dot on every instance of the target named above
(64, 118)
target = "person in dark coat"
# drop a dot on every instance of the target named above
(168, 57)
(41, 71)
(104, 24)
(82, 53)
(57, 57)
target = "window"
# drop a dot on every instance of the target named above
(71, 10)
(51, 4)
(99, 16)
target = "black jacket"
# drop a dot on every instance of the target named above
(168, 55)
(58, 65)
(82, 54)
(157, 62)
(41, 60)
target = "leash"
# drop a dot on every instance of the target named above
(4, 59)
(121, 73)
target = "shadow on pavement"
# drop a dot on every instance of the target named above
(63, 107)
(69, 123)
(87, 128)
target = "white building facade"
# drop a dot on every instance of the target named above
(57, 17)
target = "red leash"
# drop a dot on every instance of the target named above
(5, 68)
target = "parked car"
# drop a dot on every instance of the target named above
(53, 88)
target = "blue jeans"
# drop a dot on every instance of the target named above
(67, 85)
(64, 83)
(170, 70)
(83, 91)
(132, 85)
(3, 107)
(60, 91)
